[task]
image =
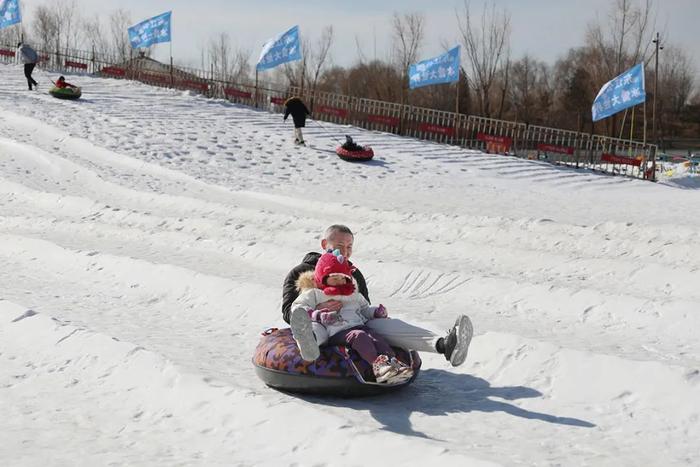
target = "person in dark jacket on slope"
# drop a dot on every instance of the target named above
(453, 346)
(296, 107)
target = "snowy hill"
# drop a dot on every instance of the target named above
(145, 234)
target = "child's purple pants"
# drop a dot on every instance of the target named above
(362, 341)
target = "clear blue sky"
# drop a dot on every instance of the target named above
(545, 29)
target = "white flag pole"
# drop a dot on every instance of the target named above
(457, 116)
(624, 119)
(171, 53)
(644, 140)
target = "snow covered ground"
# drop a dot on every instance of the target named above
(145, 234)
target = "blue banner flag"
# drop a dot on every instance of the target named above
(620, 93)
(9, 13)
(280, 49)
(437, 70)
(151, 31)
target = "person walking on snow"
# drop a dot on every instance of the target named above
(332, 279)
(454, 345)
(296, 107)
(29, 57)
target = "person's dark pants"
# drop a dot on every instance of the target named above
(28, 69)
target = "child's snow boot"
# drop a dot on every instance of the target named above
(383, 369)
(403, 371)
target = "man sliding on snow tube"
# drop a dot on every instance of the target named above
(453, 346)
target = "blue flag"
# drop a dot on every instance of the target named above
(9, 13)
(620, 93)
(151, 31)
(437, 70)
(280, 49)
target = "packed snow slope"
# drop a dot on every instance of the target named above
(145, 234)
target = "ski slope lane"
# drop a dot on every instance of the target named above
(145, 234)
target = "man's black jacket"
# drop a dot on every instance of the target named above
(296, 107)
(289, 289)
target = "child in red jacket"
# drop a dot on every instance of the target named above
(61, 83)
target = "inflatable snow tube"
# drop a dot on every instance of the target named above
(65, 93)
(363, 154)
(279, 365)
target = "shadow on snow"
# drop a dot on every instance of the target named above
(440, 393)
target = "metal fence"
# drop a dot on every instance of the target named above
(595, 152)
(493, 136)
(378, 115)
(574, 149)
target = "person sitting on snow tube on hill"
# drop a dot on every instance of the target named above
(350, 145)
(332, 279)
(398, 333)
(61, 83)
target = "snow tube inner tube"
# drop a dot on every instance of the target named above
(65, 93)
(363, 154)
(336, 372)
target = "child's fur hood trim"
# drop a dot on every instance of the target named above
(306, 281)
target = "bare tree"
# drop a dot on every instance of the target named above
(57, 25)
(243, 67)
(504, 77)
(335, 80)
(676, 72)
(320, 55)
(375, 80)
(408, 33)
(228, 62)
(530, 92)
(361, 57)
(307, 72)
(621, 41)
(219, 54)
(486, 46)
(45, 27)
(94, 35)
(296, 72)
(11, 35)
(68, 23)
(573, 88)
(626, 37)
(119, 23)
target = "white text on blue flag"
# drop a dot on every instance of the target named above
(437, 70)
(9, 13)
(151, 31)
(624, 91)
(280, 49)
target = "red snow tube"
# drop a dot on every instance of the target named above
(364, 154)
